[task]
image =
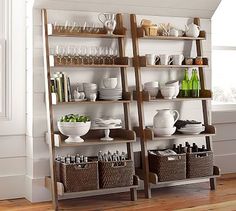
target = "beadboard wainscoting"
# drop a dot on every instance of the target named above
(12, 126)
(37, 149)
(225, 140)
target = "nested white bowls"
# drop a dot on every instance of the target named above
(164, 131)
(152, 88)
(74, 130)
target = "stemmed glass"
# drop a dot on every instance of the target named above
(84, 54)
(93, 52)
(59, 52)
(78, 56)
(114, 56)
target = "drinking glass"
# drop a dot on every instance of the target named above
(114, 56)
(79, 57)
(60, 53)
(84, 54)
(93, 51)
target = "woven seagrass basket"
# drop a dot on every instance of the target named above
(116, 173)
(168, 168)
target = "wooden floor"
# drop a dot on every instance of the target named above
(195, 197)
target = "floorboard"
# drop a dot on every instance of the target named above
(195, 197)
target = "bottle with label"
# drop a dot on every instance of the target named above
(185, 85)
(195, 85)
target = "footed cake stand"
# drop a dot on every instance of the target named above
(106, 129)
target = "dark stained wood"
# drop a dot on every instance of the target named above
(49, 109)
(204, 95)
(194, 196)
(143, 63)
(92, 138)
(204, 102)
(61, 190)
(141, 34)
(209, 131)
(144, 153)
(126, 107)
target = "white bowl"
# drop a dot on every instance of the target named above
(74, 130)
(152, 91)
(173, 83)
(168, 92)
(164, 131)
(176, 89)
(110, 83)
(151, 84)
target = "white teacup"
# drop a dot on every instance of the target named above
(152, 59)
(168, 92)
(110, 83)
(165, 59)
(178, 59)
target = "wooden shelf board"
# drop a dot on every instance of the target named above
(209, 131)
(171, 38)
(92, 65)
(204, 95)
(153, 178)
(61, 192)
(178, 99)
(92, 138)
(175, 66)
(93, 102)
(118, 33)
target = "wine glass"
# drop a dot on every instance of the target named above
(93, 52)
(114, 56)
(60, 53)
(84, 54)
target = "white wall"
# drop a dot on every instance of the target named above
(37, 152)
(12, 128)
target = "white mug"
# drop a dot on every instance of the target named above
(152, 59)
(178, 59)
(165, 59)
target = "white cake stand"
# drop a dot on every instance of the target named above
(106, 129)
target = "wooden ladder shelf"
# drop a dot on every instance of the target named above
(141, 96)
(55, 139)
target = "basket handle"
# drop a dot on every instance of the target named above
(200, 155)
(81, 166)
(171, 158)
(118, 164)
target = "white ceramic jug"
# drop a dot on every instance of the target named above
(165, 118)
(192, 30)
(109, 22)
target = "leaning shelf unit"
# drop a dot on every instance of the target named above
(55, 139)
(146, 134)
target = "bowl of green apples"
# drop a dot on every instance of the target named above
(74, 126)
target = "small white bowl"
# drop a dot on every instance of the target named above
(168, 92)
(173, 83)
(152, 91)
(151, 84)
(176, 89)
(74, 130)
(110, 83)
(164, 131)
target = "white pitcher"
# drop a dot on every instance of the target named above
(192, 30)
(109, 22)
(165, 118)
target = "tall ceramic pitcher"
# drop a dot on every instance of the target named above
(109, 21)
(165, 118)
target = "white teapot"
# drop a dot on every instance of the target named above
(165, 118)
(192, 30)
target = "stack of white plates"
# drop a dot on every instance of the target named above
(192, 129)
(110, 94)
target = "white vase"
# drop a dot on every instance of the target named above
(165, 118)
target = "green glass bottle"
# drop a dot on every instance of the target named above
(185, 85)
(195, 85)
(190, 83)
